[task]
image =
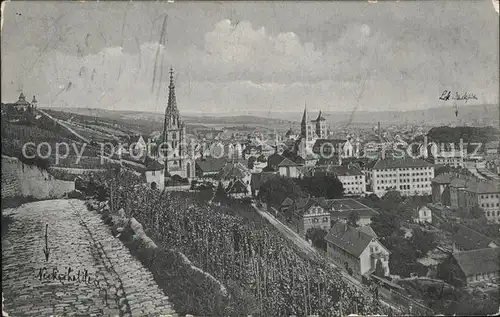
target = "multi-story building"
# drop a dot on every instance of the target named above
(307, 213)
(409, 176)
(453, 158)
(177, 159)
(483, 194)
(358, 250)
(441, 188)
(341, 210)
(352, 179)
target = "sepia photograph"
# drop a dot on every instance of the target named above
(250, 158)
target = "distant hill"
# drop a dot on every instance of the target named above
(480, 115)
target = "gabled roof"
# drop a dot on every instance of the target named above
(337, 170)
(287, 202)
(406, 162)
(341, 208)
(301, 205)
(135, 138)
(444, 178)
(350, 239)
(482, 187)
(210, 164)
(478, 261)
(152, 165)
(469, 239)
(232, 171)
(368, 230)
(237, 187)
(287, 162)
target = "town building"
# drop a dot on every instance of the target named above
(154, 174)
(358, 250)
(483, 194)
(341, 210)
(422, 215)
(466, 239)
(407, 175)
(20, 108)
(237, 189)
(472, 267)
(282, 165)
(137, 145)
(352, 179)
(440, 186)
(307, 213)
(234, 171)
(209, 166)
(492, 148)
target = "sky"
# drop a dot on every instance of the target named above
(250, 56)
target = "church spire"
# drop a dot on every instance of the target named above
(304, 116)
(172, 117)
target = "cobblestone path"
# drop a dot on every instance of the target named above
(105, 280)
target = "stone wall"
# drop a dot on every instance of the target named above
(19, 179)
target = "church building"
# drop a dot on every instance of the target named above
(310, 131)
(178, 160)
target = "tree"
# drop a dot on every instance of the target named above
(220, 194)
(274, 191)
(353, 218)
(251, 162)
(422, 242)
(317, 237)
(328, 186)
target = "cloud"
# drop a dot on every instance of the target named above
(242, 67)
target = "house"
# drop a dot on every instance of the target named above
(137, 144)
(237, 189)
(341, 209)
(457, 183)
(282, 165)
(286, 204)
(483, 194)
(466, 239)
(257, 179)
(422, 215)
(356, 250)
(307, 213)
(209, 166)
(440, 187)
(234, 171)
(474, 266)
(154, 174)
(491, 148)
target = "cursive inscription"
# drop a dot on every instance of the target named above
(448, 94)
(67, 276)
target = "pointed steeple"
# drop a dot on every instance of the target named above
(320, 117)
(172, 117)
(304, 116)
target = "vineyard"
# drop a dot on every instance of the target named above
(261, 270)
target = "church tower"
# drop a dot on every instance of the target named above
(320, 126)
(305, 126)
(177, 162)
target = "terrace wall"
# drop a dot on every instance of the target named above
(19, 179)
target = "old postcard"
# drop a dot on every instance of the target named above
(240, 158)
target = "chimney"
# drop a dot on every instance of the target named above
(345, 227)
